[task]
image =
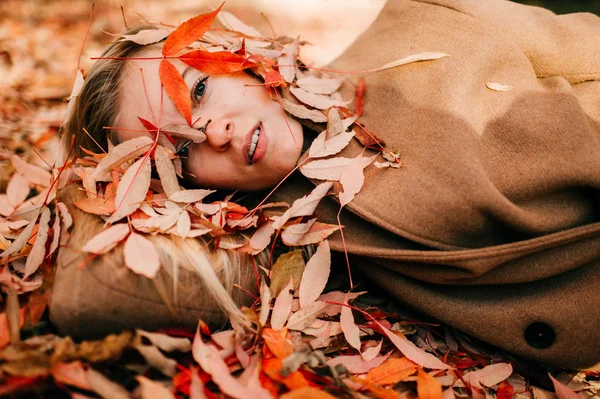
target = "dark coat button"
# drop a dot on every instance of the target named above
(540, 335)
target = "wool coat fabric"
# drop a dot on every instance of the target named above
(493, 223)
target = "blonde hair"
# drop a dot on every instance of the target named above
(96, 108)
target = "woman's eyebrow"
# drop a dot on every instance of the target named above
(186, 71)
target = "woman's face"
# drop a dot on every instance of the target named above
(241, 112)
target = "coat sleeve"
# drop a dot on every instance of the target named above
(557, 45)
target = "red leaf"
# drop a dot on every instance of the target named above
(360, 97)
(176, 89)
(368, 138)
(505, 390)
(217, 63)
(188, 32)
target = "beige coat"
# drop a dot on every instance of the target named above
(493, 224)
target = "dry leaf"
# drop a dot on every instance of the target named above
(120, 154)
(339, 297)
(262, 237)
(326, 169)
(352, 179)
(95, 206)
(146, 36)
(487, 376)
(317, 233)
(17, 190)
(359, 97)
(188, 32)
(428, 387)
(166, 342)
(414, 353)
(391, 371)
(319, 85)
(265, 303)
(562, 392)
(105, 387)
(304, 206)
(153, 389)
(276, 342)
(132, 189)
(349, 328)
(74, 374)
(190, 196)
(166, 171)
(498, 86)
(371, 353)
(196, 386)
(185, 132)
(292, 234)
(38, 251)
(410, 59)
(55, 234)
(176, 88)
(316, 100)
(315, 275)
(157, 360)
(287, 61)
(307, 393)
(282, 306)
(300, 111)
(107, 239)
(306, 316)
(141, 255)
(323, 148)
(230, 21)
(355, 364)
(31, 173)
(67, 220)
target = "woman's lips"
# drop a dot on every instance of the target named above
(261, 145)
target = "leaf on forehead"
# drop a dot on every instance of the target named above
(132, 189)
(300, 111)
(217, 63)
(188, 32)
(146, 36)
(166, 171)
(230, 21)
(353, 178)
(120, 154)
(315, 275)
(316, 100)
(317, 85)
(107, 239)
(176, 89)
(184, 132)
(36, 256)
(141, 255)
(287, 61)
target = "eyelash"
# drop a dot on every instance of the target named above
(195, 99)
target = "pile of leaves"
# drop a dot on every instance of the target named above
(305, 338)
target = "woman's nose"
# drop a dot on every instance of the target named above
(219, 133)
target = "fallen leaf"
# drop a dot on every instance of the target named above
(184, 224)
(74, 374)
(132, 189)
(322, 148)
(190, 196)
(120, 154)
(265, 302)
(287, 61)
(146, 36)
(67, 221)
(428, 56)
(188, 32)
(562, 391)
(55, 234)
(105, 387)
(355, 364)
(196, 386)
(166, 342)
(317, 233)
(315, 275)
(326, 169)
(292, 234)
(290, 264)
(487, 376)
(304, 206)
(349, 328)
(215, 63)
(262, 237)
(498, 86)
(230, 21)
(107, 239)
(155, 359)
(317, 101)
(153, 389)
(95, 206)
(413, 352)
(38, 251)
(391, 371)
(166, 171)
(17, 190)
(282, 306)
(141, 255)
(273, 369)
(307, 393)
(276, 342)
(306, 315)
(317, 85)
(176, 88)
(339, 297)
(428, 387)
(505, 391)
(352, 179)
(359, 97)
(31, 173)
(300, 111)
(185, 132)
(371, 353)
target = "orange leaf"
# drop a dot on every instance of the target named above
(272, 368)
(217, 63)
(307, 393)
(428, 387)
(391, 371)
(360, 97)
(176, 89)
(505, 390)
(277, 343)
(368, 138)
(188, 32)
(96, 206)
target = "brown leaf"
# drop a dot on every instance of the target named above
(176, 89)
(188, 32)
(55, 234)
(288, 265)
(20, 241)
(391, 371)
(184, 132)
(132, 189)
(287, 61)
(141, 255)
(215, 63)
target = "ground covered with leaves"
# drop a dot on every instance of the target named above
(311, 333)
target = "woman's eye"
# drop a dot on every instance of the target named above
(199, 89)
(183, 148)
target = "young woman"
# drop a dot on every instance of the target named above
(491, 226)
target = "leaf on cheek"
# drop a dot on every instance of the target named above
(176, 89)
